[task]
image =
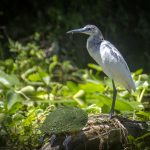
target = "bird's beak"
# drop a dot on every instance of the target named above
(81, 30)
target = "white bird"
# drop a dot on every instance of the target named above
(109, 58)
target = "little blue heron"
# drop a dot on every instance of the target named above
(109, 58)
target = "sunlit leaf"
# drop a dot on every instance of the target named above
(93, 109)
(4, 82)
(8, 80)
(139, 71)
(4, 79)
(28, 89)
(28, 120)
(34, 77)
(91, 87)
(96, 67)
(12, 98)
(46, 80)
(72, 86)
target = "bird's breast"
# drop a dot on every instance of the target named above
(94, 51)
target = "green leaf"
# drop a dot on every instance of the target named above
(8, 80)
(136, 105)
(17, 117)
(79, 94)
(11, 99)
(46, 80)
(95, 67)
(131, 138)
(28, 89)
(14, 80)
(103, 101)
(94, 109)
(139, 71)
(15, 107)
(143, 115)
(72, 86)
(4, 79)
(92, 87)
(4, 82)
(2, 117)
(29, 119)
(34, 77)
(123, 105)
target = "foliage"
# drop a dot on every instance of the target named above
(141, 142)
(124, 26)
(32, 85)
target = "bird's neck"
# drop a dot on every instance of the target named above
(97, 37)
(94, 41)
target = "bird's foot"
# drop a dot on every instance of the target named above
(111, 114)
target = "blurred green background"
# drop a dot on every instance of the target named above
(125, 23)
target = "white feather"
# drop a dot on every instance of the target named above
(112, 63)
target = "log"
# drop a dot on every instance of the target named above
(100, 133)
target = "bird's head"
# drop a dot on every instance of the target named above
(88, 29)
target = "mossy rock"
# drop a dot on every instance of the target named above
(65, 120)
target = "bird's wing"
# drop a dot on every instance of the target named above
(114, 65)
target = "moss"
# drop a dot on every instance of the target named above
(64, 120)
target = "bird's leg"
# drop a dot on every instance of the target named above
(114, 99)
